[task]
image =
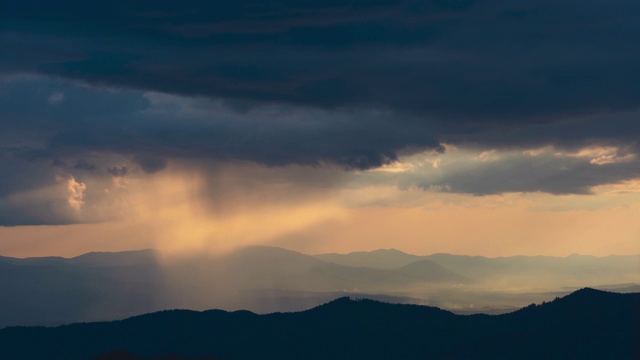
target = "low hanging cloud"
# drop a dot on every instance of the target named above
(118, 171)
(150, 164)
(482, 172)
(76, 193)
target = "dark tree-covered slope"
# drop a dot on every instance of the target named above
(588, 324)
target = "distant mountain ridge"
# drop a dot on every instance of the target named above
(93, 258)
(122, 258)
(95, 286)
(381, 258)
(480, 267)
(587, 324)
(394, 258)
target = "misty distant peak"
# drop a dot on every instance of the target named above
(388, 251)
(376, 251)
(381, 259)
(264, 249)
(576, 255)
(121, 258)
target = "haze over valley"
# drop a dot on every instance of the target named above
(106, 286)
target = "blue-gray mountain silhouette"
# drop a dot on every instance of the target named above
(107, 286)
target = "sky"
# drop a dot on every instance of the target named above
(490, 128)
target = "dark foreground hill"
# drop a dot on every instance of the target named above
(587, 324)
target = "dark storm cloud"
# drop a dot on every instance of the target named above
(77, 134)
(450, 71)
(83, 164)
(489, 61)
(126, 122)
(150, 164)
(356, 84)
(23, 171)
(491, 73)
(118, 171)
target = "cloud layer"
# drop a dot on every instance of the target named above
(101, 91)
(500, 61)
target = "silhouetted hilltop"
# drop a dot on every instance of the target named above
(587, 324)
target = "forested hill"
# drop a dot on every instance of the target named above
(587, 324)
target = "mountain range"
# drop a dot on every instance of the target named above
(106, 286)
